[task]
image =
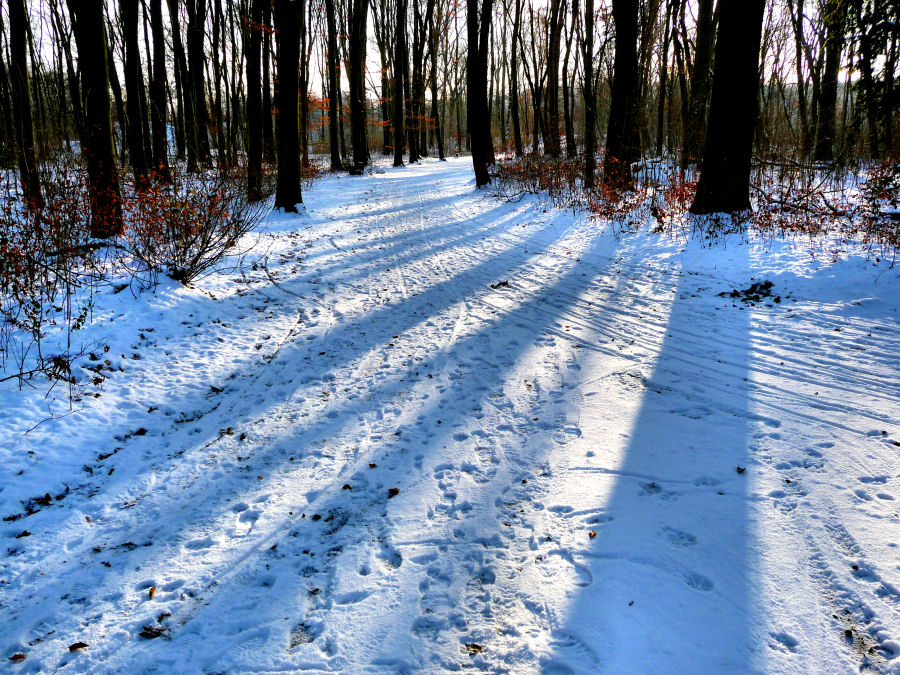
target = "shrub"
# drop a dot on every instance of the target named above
(46, 255)
(185, 227)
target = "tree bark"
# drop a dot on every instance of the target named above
(399, 51)
(183, 76)
(555, 18)
(622, 138)
(435, 110)
(725, 178)
(97, 148)
(479, 121)
(21, 104)
(287, 24)
(158, 93)
(333, 83)
(514, 80)
(357, 78)
(196, 32)
(695, 124)
(834, 41)
(590, 96)
(128, 11)
(267, 129)
(254, 102)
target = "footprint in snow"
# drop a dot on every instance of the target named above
(201, 543)
(698, 582)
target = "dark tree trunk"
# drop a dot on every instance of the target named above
(514, 80)
(71, 75)
(121, 115)
(287, 25)
(797, 21)
(622, 138)
(268, 133)
(196, 32)
(356, 76)
(399, 51)
(222, 155)
(435, 110)
(479, 121)
(7, 149)
(158, 93)
(188, 120)
(128, 11)
(304, 87)
(725, 179)
(97, 148)
(590, 96)
(410, 134)
(254, 102)
(333, 83)
(701, 81)
(551, 95)
(381, 22)
(663, 79)
(21, 104)
(834, 41)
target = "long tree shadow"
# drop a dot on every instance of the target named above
(400, 442)
(669, 572)
(343, 346)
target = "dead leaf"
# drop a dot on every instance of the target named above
(151, 632)
(393, 492)
(75, 646)
(474, 648)
(18, 656)
(151, 592)
(592, 534)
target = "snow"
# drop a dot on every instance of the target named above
(363, 451)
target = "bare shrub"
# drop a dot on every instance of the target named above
(46, 255)
(185, 227)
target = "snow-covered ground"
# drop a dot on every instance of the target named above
(424, 430)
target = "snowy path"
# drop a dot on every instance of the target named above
(424, 430)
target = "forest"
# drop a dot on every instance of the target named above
(436, 335)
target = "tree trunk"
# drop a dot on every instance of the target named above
(128, 11)
(356, 76)
(287, 25)
(797, 21)
(267, 130)
(333, 83)
(695, 122)
(196, 32)
(399, 51)
(834, 41)
(622, 138)
(254, 102)
(158, 93)
(725, 179)
(21, 104)
(551, 95)
(590, 96)
(97, 148)
(435, 110)
(663, 78)
(479, 121)
(188, 123)
(514, 80)
(8, 147)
